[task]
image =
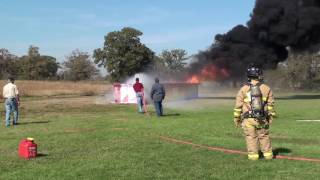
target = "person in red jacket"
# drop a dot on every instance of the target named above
(138, 88)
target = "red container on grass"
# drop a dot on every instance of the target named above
(27, 148)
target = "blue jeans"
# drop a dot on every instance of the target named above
(158, 107)
(11, 105)
(140, 102)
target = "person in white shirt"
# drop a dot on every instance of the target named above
(11, 95)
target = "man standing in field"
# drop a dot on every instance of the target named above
(138, 88)
(157, 95)
(11, 95)
(254, 112)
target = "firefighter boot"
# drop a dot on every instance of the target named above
(268, 155)
(253, 156)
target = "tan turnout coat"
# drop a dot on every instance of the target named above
(243, 98)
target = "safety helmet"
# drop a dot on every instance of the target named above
(254, 72)
(11, 78)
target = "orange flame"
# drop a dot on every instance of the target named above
(193, 79)
(209, 72)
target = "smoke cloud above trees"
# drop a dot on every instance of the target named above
(275, 27)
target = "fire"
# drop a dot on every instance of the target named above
(193, 79)
(225, 73)
(209, 72)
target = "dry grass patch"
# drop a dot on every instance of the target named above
(55, 88)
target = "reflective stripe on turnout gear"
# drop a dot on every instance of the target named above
(270, 108)
(268, 155)
(253, 156)
(237, 113)
(247, 100)
(271, 111)
(254, 123)
(262, 126)
(273, 114)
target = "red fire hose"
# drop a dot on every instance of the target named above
(230, 151)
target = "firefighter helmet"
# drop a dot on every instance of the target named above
(254, 72)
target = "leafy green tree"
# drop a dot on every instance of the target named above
(123, 54)
(8, 63)
(158, 65)
(79, 66)
(33, 51)
(36, 66)
(174, 59)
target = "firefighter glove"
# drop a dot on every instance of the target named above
(271, 112)
(270, 119)
(237, 122)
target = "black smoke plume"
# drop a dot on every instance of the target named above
(275, 27)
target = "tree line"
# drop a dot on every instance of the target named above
(122, 55)
(35, 66)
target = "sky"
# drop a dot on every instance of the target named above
(58, 27)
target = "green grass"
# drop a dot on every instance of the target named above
(79, 141)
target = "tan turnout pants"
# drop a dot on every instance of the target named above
(257, 137)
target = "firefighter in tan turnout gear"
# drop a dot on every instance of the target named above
(254, 112)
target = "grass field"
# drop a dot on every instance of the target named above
(79, 139)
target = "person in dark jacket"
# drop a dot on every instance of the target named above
(157, 95)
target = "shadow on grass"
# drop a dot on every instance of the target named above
(173, 114)
(164, 115)
(280, 151)
(41, 155)
(33, 122)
